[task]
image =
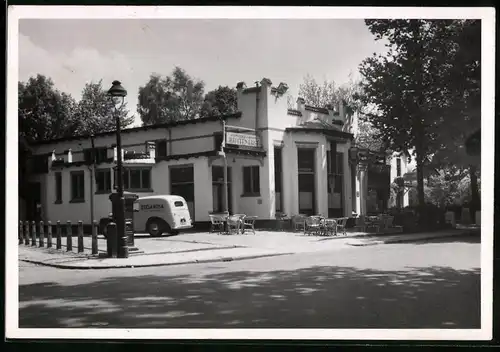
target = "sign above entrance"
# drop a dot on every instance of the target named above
(243, 139)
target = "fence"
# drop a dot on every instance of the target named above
(28, 237)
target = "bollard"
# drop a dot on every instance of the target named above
(21, 232)
(94, 237)
(122, 244)
(42, 234)
(111, 240)
(33, 234)
(49, 234)
(58, 235)
(80, 236)
(27, 233)
(69, 239)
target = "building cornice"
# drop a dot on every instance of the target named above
(143, 128)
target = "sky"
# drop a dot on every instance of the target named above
(223, 52)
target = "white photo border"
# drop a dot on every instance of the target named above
(486, 15)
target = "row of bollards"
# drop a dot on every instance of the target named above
(25, 235)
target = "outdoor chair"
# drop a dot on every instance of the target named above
(389, 224)
(298, 222)
(341, 225)
(330, 227)
(234, 222)
(217, 223)
(361, 223)
(378, 224)
(314, 225)
(249, 223)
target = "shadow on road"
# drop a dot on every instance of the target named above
(315, 297)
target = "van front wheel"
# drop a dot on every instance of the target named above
(155, 227)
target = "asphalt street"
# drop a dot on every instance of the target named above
(433, 284)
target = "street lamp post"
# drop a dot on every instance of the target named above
(222, 153)
(118, 94)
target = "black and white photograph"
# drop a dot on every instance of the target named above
(239, 172)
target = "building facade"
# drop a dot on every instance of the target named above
(294, 161)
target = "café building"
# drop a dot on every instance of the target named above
(279, 159)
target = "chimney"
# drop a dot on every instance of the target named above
(301, 104)
(266, 83)
(70, 156)
(151, 149)
(240, 87)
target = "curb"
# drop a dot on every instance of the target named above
(123, 266)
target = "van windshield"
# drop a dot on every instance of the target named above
(178, 203)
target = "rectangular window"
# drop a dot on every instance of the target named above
(77, 186)
(135, 179)
(161, 148)
(58, 178)
(251, 180)
(398, 167)
(103, 181)
(101, 154)
(277, 169)
(305, 158)
(218, 174)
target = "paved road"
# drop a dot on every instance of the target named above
(434, 284)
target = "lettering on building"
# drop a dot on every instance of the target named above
(242, 139)
(151, 206)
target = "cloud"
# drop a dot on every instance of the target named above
(71, 71)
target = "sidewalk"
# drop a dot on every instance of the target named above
(205, 247)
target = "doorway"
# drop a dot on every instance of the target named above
(182, 184)
(218, 189)
(306, 175)
(33, 201)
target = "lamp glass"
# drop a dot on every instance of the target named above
(117, 101)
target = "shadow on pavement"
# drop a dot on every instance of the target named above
(467, 238)
(315, 297)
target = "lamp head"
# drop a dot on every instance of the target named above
(117, 94)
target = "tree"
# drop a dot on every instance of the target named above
(319, 95)
(413, 100)
(220, 101)
(96, 112)
(44, 112)
(328, 93)
(171, 98)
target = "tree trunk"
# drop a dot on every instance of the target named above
(475, 202)
(420, 174)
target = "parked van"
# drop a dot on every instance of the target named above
(161, 214)
(157, 215)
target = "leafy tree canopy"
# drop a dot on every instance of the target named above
(96, 113)
(172, 98)
(220, 101)
(44, 112)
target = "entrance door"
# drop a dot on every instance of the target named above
(33, 201)
(307, 196)
(218, 189)
(182, 184)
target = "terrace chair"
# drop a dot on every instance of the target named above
(298, 222)
(217, 223)
(249, 223)
(234, 222)
(341, 225)
(314, 225)
(378, 224)
(330, 226)
(389, 224)
(361, 223)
